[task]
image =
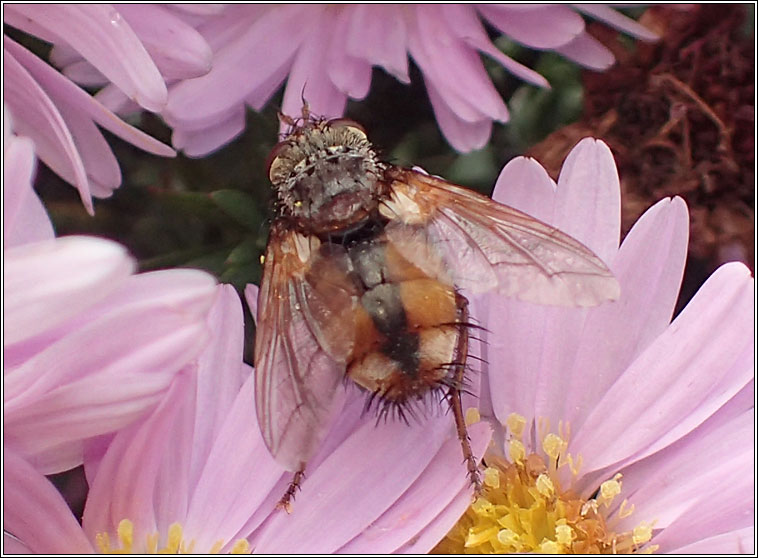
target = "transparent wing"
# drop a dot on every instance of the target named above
(487, 245)
(303, 338)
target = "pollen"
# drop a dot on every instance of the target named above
(523, 506)
(472, 416)
(174, 542)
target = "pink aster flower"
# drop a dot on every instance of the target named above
(88, 346)
(326, 54)
(626, 431)
(134, 48)
(195, 474)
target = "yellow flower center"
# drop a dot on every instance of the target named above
(523, 508)
(175, 543)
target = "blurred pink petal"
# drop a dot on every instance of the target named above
(467, 135)
(378, 34)
(328, 53)
(587, 51)
(96, 45)
(308, 78)
(36, 116)
(100, 34)
(616, 19)
(24, 218)
(45, 283)
(540, 27)
(258, 51)
(198, 143)
(12, 545)
(208, 424)
(79, 324)
(60, 117)
(471, 95)
(35, 513)
(124, 485)
(65, 91)
(177, 49)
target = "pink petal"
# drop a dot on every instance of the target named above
(220, 374)
(125, 485)
(524, 184)
(36, 116)
(85, 74)
(308, 78)
(12, 545)
(587, 51)
(400, 452)
(202, 142)
(454, 68)
(447, 517)
(251, 297)
(223, 28)
(65, 393)
(739, 541)
(265, 88)
(528, 343)
(377, 33)
(418, 507)
(101, 164)
(201, 9)
(588, 198)
(616, 19)
(185, 291)
(18, 19)
(24, 217)
(45, 283)
(178, 50)
(103, 37)
(696, 365)
(268, 43)
(702, 484)
(35, 513)
(63, 91)
(463, 136)
(234, 491)
(350, 74)
(114, 100)
(649, 268)
(540, 27)
(469, 27)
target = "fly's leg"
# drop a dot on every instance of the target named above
(454, 395)
(285, 503)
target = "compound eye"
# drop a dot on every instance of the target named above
(351, 125)
(273, 162)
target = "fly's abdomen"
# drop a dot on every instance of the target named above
(407, 326)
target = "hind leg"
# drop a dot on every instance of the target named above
(285, 503)
(454, 394)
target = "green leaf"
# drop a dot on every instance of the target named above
(247, 251)
(240, 206)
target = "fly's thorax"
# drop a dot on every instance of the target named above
(327, 175)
